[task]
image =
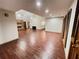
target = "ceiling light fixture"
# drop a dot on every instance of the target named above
(38, 3)
(46, 11)
(31, 17)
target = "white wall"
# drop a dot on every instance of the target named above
(37, 21)
(1, 37)
(54, 25)
(0, 32)
(70, 28)
(9, 26)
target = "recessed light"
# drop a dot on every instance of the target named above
(38, 3)
(46, 11)
(30, 17)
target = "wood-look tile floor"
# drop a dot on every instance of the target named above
(34, 45)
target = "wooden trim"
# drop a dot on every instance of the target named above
(8, 42)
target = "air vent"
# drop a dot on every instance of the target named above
(6, 14)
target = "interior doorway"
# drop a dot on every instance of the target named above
(21, 25)
(66, 23)
(74, 50)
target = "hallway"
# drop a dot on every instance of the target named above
(36, 44)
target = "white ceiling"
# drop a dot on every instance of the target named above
(25, 15)
(54, 6)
